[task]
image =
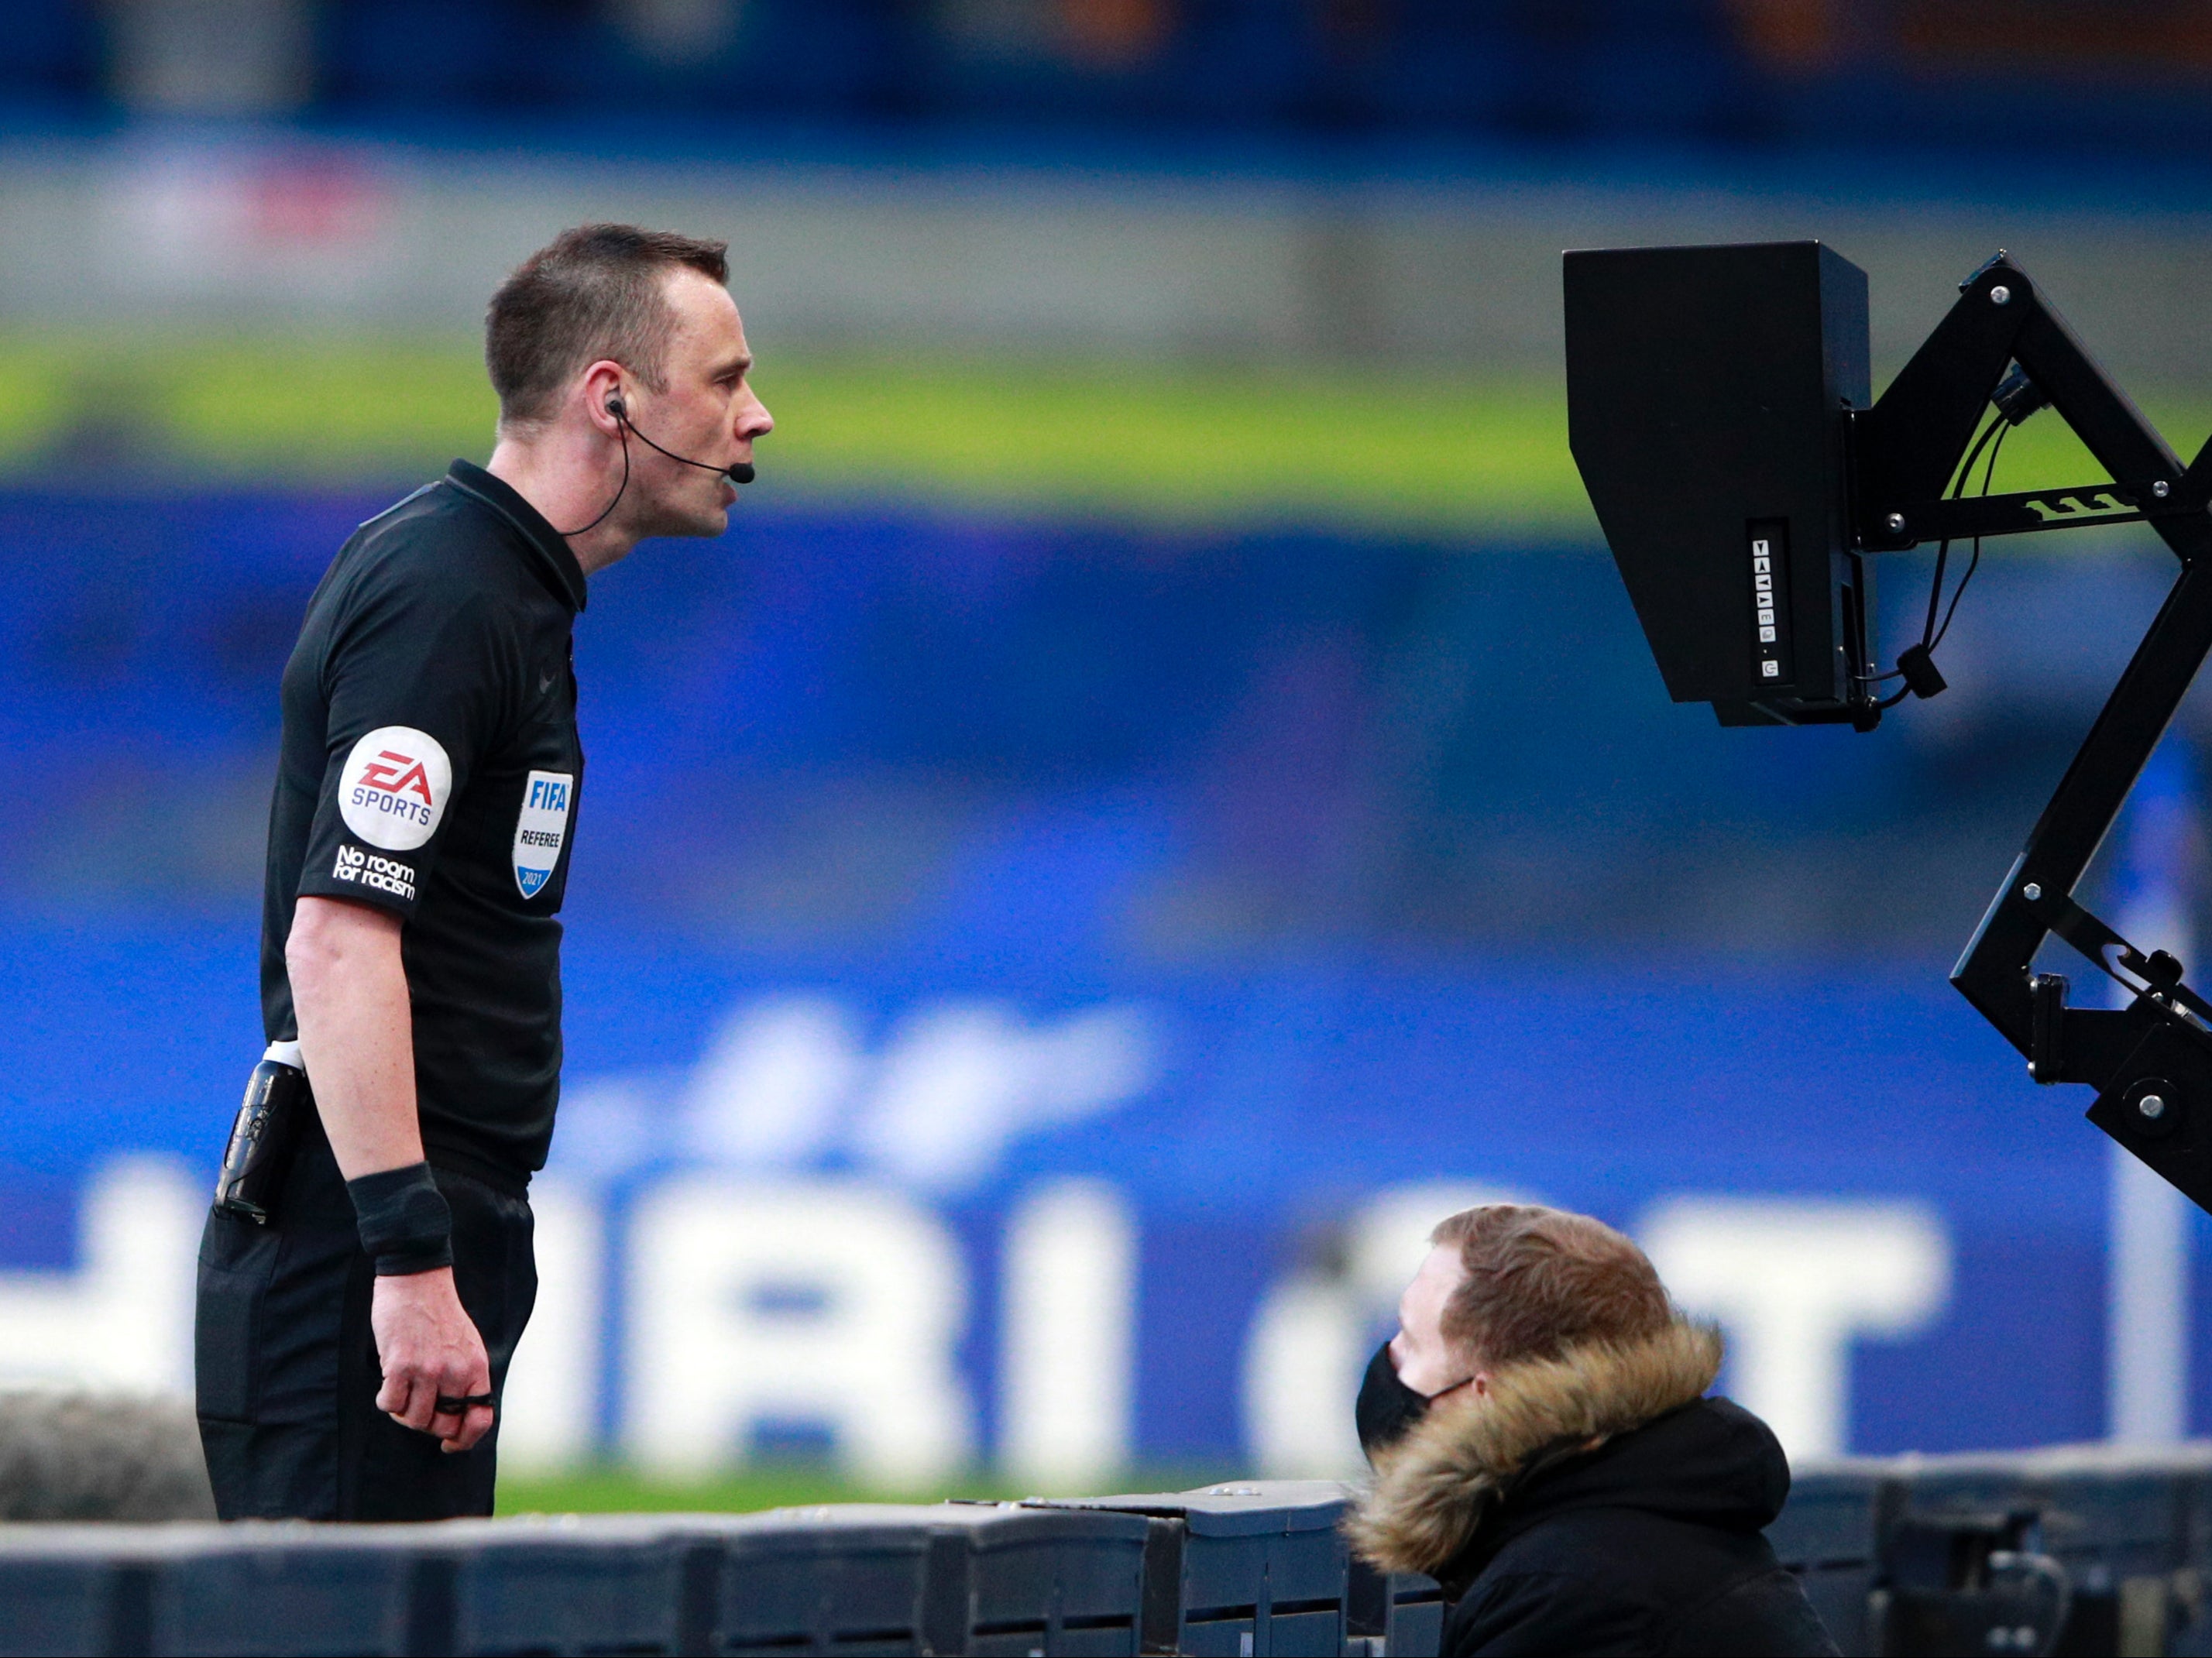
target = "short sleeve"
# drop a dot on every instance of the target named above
(417, 689)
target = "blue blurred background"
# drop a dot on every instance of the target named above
(1159, 796)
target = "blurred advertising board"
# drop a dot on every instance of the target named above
(913, 1216)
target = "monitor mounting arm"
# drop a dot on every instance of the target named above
(2151, 1061)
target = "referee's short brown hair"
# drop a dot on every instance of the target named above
(593, 292)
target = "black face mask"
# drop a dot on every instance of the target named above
(1388, 1408)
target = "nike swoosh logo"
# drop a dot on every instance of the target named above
(544, 684)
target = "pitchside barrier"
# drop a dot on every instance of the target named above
(2074, 1551)
(1263, 1567)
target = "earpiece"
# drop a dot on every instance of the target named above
(618, 408)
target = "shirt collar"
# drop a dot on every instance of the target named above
(556, 560)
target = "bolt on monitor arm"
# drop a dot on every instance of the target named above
(1717, 408)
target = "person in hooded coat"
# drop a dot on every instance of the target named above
(1544, 1447)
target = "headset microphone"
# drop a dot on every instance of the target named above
(742, 472)
(738, 472)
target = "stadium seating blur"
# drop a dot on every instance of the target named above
(1750, 72)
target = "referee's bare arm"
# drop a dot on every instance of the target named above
(356, 1036)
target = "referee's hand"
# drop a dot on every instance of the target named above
(428, 1345)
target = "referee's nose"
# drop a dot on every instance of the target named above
(753, 419)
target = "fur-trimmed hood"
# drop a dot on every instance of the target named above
(1437, 1486)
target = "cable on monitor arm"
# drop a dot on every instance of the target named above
(1916, 664)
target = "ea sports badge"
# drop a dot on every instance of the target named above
(394, 787)
(541, 827)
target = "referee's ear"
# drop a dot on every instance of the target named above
(604, 397)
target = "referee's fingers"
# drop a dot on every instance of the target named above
(461, 1376)
(422, 1412)
(392, 1396)
(473, 1427)
(461, 1421)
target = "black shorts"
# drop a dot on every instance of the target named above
(287, 1367)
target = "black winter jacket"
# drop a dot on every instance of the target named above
(1651, 1542)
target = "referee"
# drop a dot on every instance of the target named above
(351, 1349)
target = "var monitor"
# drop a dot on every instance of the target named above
(1708, 390)
(1718, 408)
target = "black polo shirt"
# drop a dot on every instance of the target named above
(431, 767)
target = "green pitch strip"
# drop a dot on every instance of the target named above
(613, 1488)
(1323, 445)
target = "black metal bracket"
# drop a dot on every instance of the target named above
(1881, 524)
(2160, 973)
(1961, 519)
(2152, 1060)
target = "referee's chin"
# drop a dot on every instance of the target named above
(692, 521)
(713, 518)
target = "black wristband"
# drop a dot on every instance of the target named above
(405, 1224)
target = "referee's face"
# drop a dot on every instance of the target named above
(708, 412)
